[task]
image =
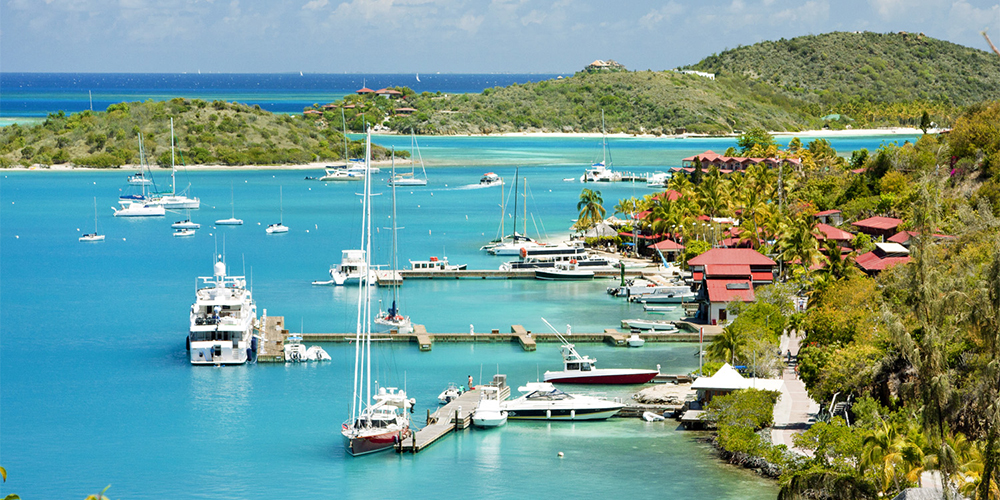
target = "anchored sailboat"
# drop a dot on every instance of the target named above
(392, 319)
(280, 227)
(95, 236)
(410, 178)
(378, 421)
(232, 221)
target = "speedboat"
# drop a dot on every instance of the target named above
(635, 341)
(342, 175)
(579, 369)
(185, 224)
(489, 413)
(542, 401)
(452, 392)
(490, 179)
(434, 264)
(223, 318)
(564, 271)
(671, 294)
(650, 324)
(232, 221)
(183, 232)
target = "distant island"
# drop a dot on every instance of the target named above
(832, 81)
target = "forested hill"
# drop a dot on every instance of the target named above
(844, 66)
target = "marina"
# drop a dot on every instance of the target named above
(127, 357)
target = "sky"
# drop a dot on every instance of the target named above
(447, 36)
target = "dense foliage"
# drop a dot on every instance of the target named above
(205, 133)
(848, 72)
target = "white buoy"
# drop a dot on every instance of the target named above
(560, 454)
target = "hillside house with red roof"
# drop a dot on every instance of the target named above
(883, 257)
(878, 227)
(726, 275)
(905, 237)
(843, 238)
(364, 91)
(388, 93)
(832, 217)
(730, 164)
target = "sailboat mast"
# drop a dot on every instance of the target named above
(344, 121)
(395, 258)
(525, 223)
(368, 261)
(604, 140)
(173, 165)
(95, 215)
(281, 206)
(515, 203)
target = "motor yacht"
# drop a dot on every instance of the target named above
(223, 318)
(564, 271)
(490, 179)
(548, 256)
(352, 266)
(650, 324)
(542, 401)
(489, 412)
(579, 369)
(435, 264)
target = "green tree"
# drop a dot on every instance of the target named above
(755, 139)
(591, 207)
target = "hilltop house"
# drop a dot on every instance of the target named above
(599, 65)
(884, 256)
(730, 164)
(878, 227)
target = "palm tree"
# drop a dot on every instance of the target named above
(627, 206)
(728, 344)
(591, 207)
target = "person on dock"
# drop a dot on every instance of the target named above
(470, 382)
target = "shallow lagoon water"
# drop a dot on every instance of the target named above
(95, 387)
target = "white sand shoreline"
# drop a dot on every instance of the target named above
(322, 165)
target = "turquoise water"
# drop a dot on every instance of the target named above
(95, 387)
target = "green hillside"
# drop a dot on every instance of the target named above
(840, 67)
(216, 133)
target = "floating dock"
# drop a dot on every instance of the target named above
(452, 417)
(388, 278)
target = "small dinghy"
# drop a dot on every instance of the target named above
(652, 417)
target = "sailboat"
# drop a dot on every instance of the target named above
(174, 200)
(378, 421)
(280, 227)
(232, 221)
(392, 319)
(138, 205)
(601, 171)
(410, 178)
(516, 243)
(93, 236)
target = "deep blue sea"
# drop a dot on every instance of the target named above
(37, 94)
(95, 387)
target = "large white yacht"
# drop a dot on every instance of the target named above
(542, 401)
(548, 256)
(223, 318)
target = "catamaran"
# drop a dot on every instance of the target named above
(377, 421)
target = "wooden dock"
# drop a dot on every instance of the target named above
(272, 335)
(452, 417)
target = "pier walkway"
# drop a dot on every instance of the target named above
(454, 416)
(795, 411)
(272, 339)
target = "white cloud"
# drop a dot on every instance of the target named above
(666, 13)
(963, 18)
(533, 17)
(470, 22)
(315, 5)
(811, 12)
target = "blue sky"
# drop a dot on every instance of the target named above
(456, 36)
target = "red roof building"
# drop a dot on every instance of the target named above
(835, 217)
(390, 93)
(365, 91)
(904, 237)
(883, 257)
(728, 164)
(879, 227)
(728, 274)
(832, 233)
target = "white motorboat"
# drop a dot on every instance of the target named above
(450, 393)
(652, 417)
(351, 268)
(434, 264)
(673, 294)
(297, 352)
(376, 422)
(657, 180)
(635, 341)
(489, 413)
(183, 232)
(579, 369)
(338, 174)
(95, 236)
(542, 401)
(139, 179)
(640, 287)
(658, 309)
(223, 318)
(232, 221)
(548, 256)
(490, 179)
(651, 324)
(564, 271)
(139, 209)
(185, 224)
(279, 227)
